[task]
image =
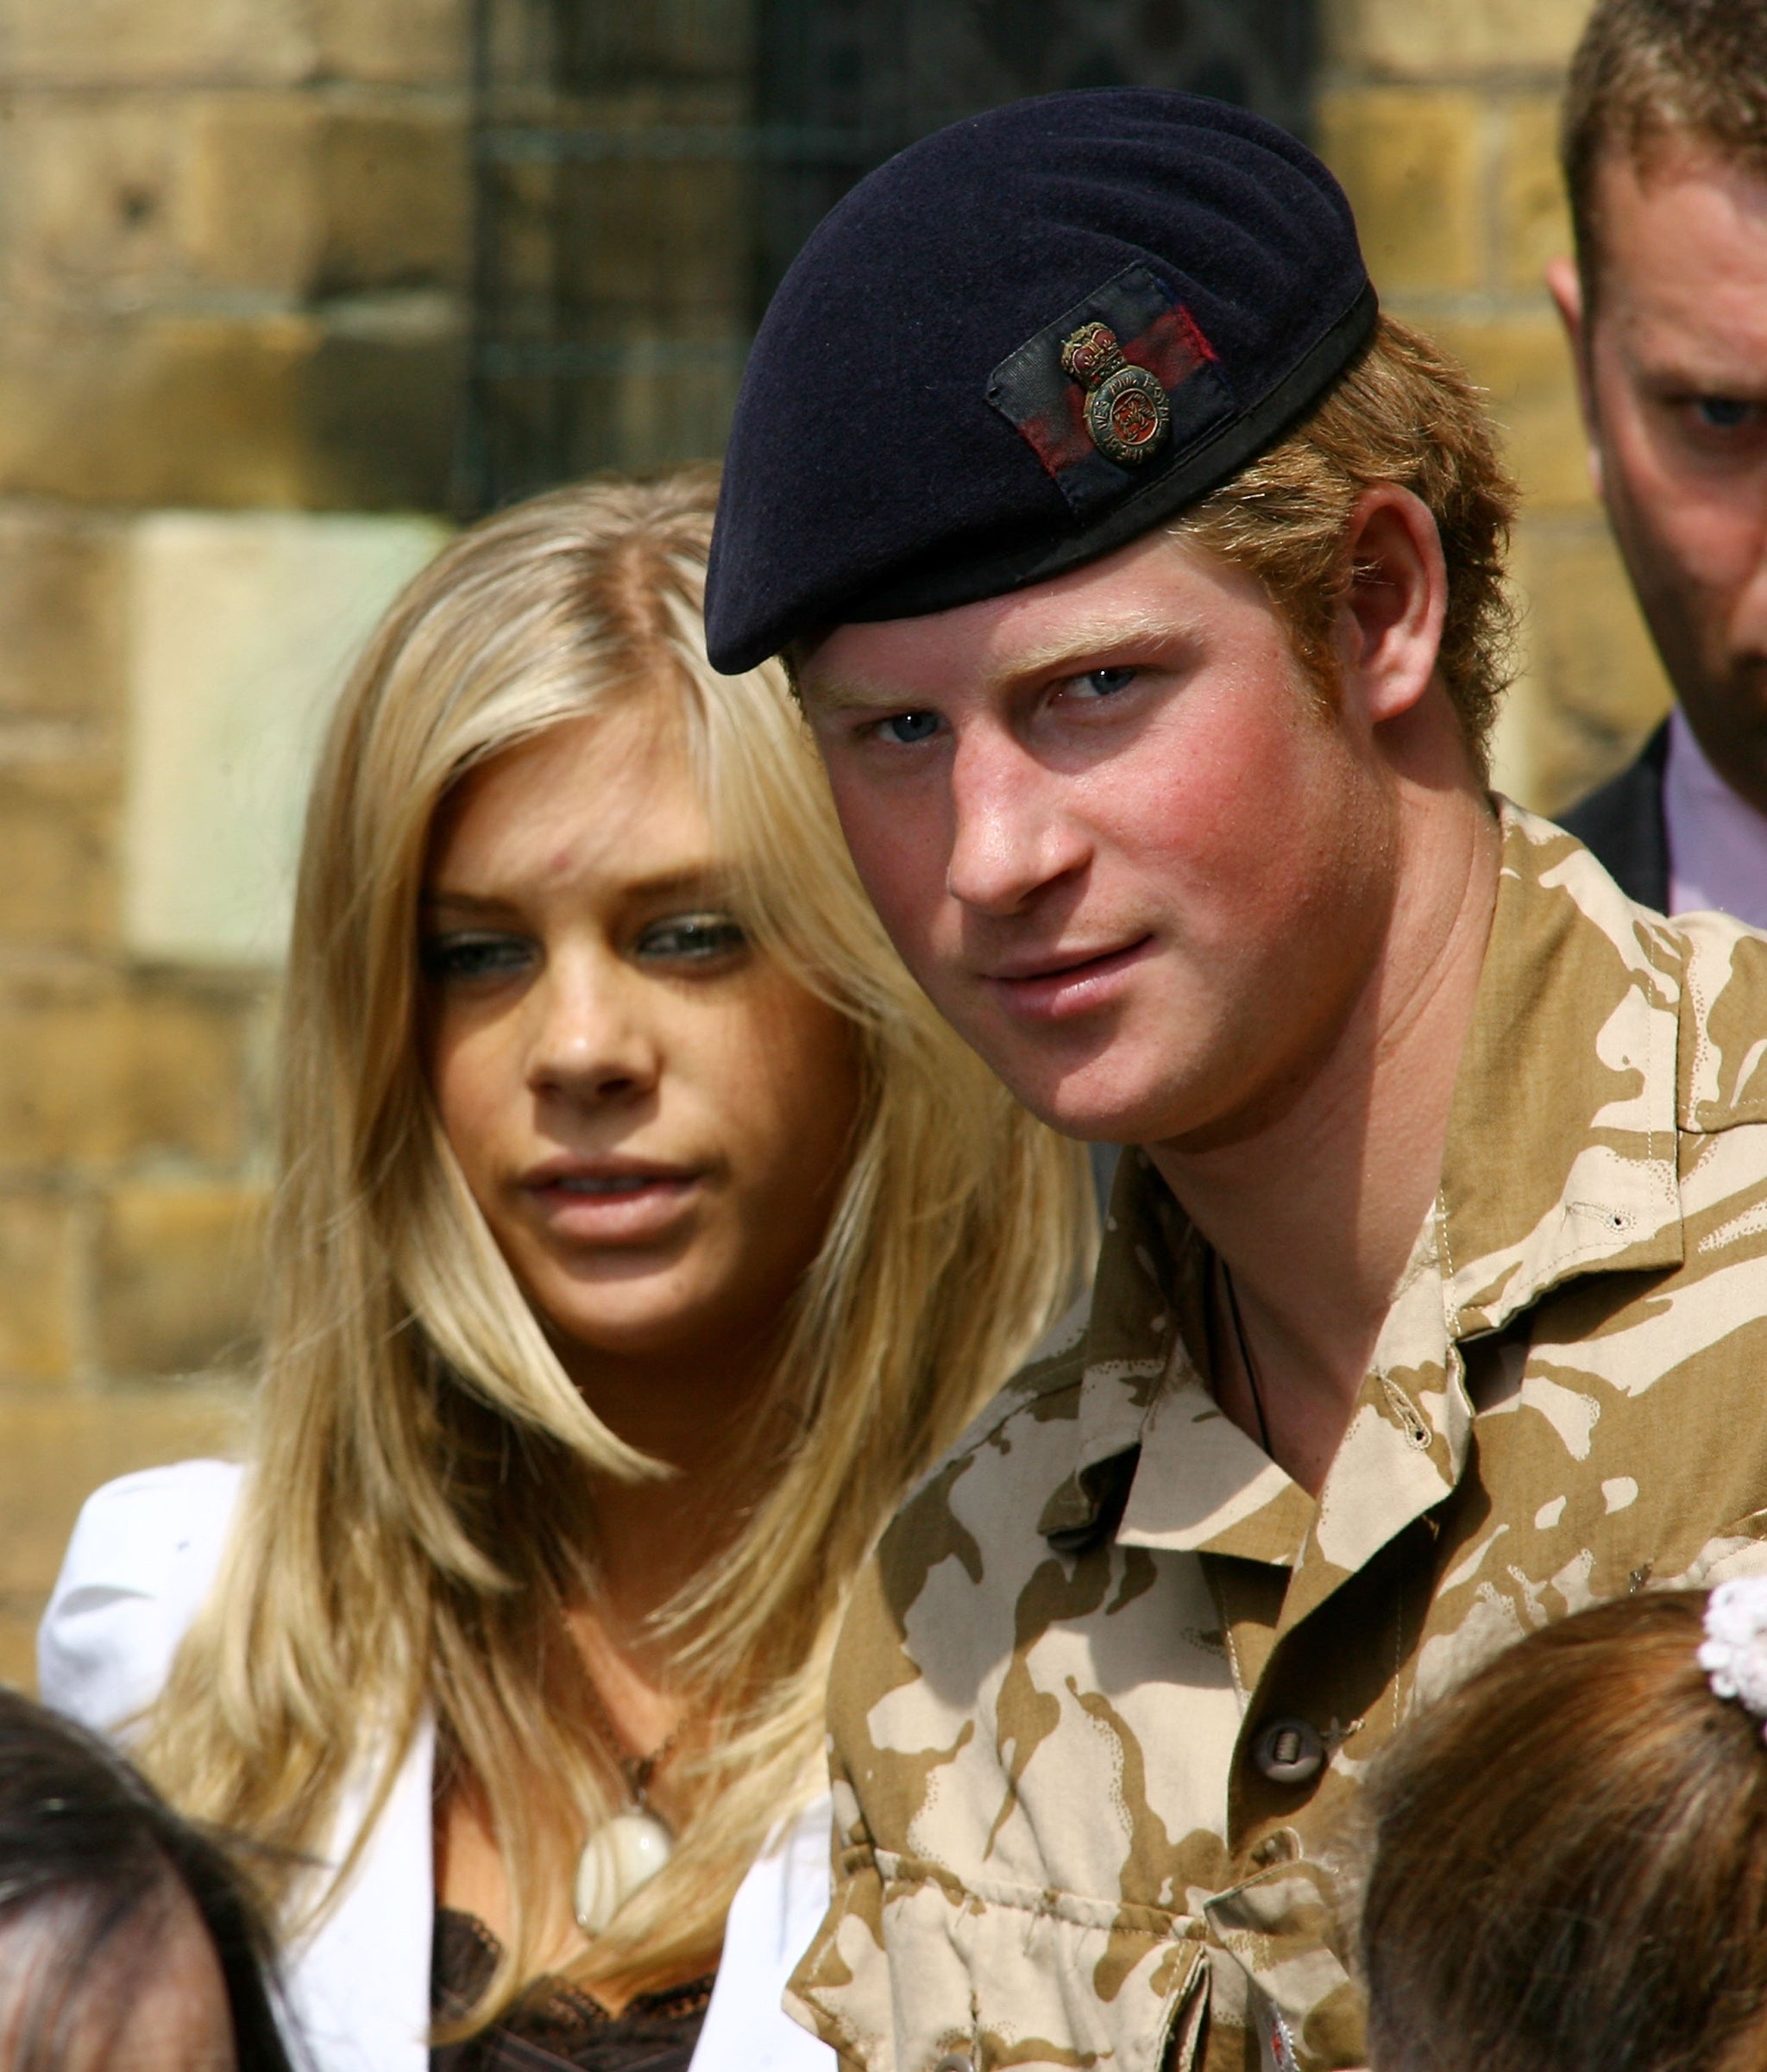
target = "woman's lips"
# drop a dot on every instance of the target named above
(611, 1207)
(1051, 994)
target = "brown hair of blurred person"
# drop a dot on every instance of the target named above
(1569, 1862)
(1650, 71)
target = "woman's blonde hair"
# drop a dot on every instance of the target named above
(421, 1515)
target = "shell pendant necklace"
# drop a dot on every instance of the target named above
(626, 1851)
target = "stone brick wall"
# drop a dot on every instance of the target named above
(233, 240)
(1440, 118)
(233, 250)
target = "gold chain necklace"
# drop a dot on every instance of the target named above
(626, 1851)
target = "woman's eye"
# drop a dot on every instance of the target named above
(1723, 413)
(465, 959)
(907, 730)
(693, 938)
(1104, 683)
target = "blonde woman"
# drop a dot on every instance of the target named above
(641, 1232)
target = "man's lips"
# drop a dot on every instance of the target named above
(1063, 983)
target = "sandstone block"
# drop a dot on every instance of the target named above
(39, 1256)
(1524, 365)
(157, 410)
(176, 1277)
(121, 201)
(394, 197)
(1534, 220)
(55, 1454)
(394, 41)
(249, 206)
(226, 412)
(58, 855)
(62, 611)
(245, 625)
(1413, 163)
(96, 1068)
(1593, 686)
(1439, 39)
(92, 198)
(168, 42)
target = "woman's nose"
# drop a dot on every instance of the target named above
(589, 1039)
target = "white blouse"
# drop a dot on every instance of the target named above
(142, 1560)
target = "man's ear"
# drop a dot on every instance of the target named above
(1391, 623)
(1565, 284)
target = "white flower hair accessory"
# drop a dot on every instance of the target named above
(1733, 1654)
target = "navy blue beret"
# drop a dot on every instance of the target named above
(1016, 346)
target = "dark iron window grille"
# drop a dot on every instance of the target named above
(645, 170)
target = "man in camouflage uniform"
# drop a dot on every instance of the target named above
(1433, 1302)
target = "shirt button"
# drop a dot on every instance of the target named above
(1288, 1751)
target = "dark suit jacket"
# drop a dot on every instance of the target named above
(1623, 823)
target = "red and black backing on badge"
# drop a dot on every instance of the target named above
(1121, 381)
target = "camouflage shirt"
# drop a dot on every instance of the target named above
(1057, 1844)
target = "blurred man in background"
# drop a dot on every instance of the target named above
(1665, 156)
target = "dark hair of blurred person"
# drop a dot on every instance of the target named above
(1664, 149)
(1568, 1865)
(125, 1938)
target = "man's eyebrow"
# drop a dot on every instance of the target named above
(841, 694)
(1680, 368)
(1078, 647)
(1680, 378)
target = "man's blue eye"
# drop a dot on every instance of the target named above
(1105, 683)
(464, 958)
(905, 729)
(1723, 413)
(693, 938)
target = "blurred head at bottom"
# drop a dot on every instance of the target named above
(126, 1937)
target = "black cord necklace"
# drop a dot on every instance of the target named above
(1245, 1355)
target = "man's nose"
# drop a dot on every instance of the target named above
(1008, 836)
(588, 1039)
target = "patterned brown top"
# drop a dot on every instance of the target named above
(553, 2027)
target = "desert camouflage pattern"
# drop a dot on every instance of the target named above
(1054, 1847)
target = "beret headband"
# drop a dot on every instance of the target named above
(1015, 347)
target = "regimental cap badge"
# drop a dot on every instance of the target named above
(1128, 411)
